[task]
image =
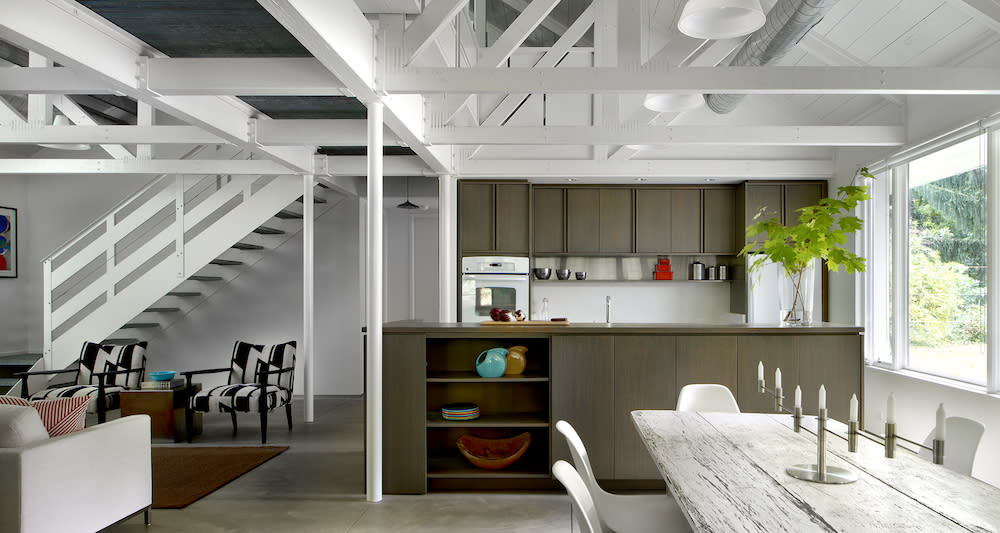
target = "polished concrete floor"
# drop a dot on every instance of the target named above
(318, 485)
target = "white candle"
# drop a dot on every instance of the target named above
(798, 397)
(822, 397)
(760, 371)
(854, 409)
(890, 409)
(939, 428)
(777, 378)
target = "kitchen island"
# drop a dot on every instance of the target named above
(592, 375)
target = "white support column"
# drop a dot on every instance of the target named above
(308, 291)
(447, 249)
(900, 267)
(39, 105)
(993, 255)
(145, 116)
(373, 468)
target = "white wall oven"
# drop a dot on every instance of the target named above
(489, 281)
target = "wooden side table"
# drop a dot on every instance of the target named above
(165, 409)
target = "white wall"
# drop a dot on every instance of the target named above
(636, 301)
(14, 319)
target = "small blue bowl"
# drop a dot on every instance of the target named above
(162, 375)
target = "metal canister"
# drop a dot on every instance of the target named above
(697, 271)
(711, 273)
(723, 272)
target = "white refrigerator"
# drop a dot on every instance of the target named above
(763, 306)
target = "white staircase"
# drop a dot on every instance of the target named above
(148, 254)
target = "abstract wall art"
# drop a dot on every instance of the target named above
(8, 242)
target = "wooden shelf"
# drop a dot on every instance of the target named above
(502, 420)
(456, 466)
(662, 281)
(472, 377)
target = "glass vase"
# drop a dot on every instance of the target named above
(795, 295)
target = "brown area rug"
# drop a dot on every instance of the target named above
(183, 475)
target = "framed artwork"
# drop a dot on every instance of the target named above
(8, 242)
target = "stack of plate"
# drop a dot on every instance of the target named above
(460, 411)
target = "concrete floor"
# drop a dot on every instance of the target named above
(318, 485)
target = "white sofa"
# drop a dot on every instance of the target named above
(83, 481)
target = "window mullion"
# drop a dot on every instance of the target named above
(900, 267)
(992, 249)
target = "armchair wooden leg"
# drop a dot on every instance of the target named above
(189, 421)
(288, 414)
(263, 426)
(232, 415)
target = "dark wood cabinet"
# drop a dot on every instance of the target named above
(832, 361)
(775, 200)
(652, 220)
(583, 224)
(404, 462)
(644, 379)
(798, 195)
(719, 222)
(583, 395)
(685, 221)
(775, 351)
(616, 221)
(494, 217)
(549, 221)
(706, 360)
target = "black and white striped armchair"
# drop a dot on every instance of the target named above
(261, 379)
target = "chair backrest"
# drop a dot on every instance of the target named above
(580, 458)
(110, 358)
(249, 360)
(583, 503)
(962, 436)
(707, 397)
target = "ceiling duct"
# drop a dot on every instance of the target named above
(787, 22)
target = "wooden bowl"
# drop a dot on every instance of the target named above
(493, 454)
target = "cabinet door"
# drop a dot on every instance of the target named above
(583, 394)
(549, 221)
(652, 220)
(512, 217)
(616, 220)
(477, 217)
(709, 359)
(799, 195)
(766, 197)
(685, 221)
(404, 375)
(835, 361)
(583, 208)
(719, 221)
(775, 351)
(644, 379)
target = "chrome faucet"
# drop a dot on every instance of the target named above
(607, 314)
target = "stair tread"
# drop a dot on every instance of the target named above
(264, 230)
(19, 359)
(134, 325)
(183, 293)
(247, 246)
(226, 262)
(205, 278)
(316, 200)
(120, 341)
(162, 310)
(286, 214)
(8, 382)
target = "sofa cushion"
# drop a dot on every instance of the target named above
(20, 426)
(63, 415)
(111, 398)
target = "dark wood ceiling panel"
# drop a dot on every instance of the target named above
(363, 150)
(292, 107)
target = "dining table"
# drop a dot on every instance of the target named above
(727, 473)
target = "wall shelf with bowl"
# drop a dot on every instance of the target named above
(624, 267)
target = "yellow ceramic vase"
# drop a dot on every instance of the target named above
(516, 360)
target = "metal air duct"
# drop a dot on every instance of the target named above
(787, 22)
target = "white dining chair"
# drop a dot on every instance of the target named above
(583, 504)
(962, 436)
(707, 397)
(637, 513)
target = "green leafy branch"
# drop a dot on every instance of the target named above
(820, 234)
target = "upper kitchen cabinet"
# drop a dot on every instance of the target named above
(494, 217)
(652, 220)
(776, 200)
(798, 195)
(616, 220)
(598, 220)
(549, 220)
(719, 222)
(685, 221)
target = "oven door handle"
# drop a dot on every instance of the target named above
(496, 277)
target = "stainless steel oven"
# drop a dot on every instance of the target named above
(489, 281)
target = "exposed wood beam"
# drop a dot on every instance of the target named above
(107, 135)
(673, 168)
(357, 165)
(744, 80)
(81, 118)
(99, 50)
(263, 76)
(141, 166)
(49, 80)
(422, 31)
(671, 135)
(824, 50)
(986, 12)
(317, 132)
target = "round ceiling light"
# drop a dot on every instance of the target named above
(61, 120)
(672, 102)
(720, 19)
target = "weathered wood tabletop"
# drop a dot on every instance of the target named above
(727, 473)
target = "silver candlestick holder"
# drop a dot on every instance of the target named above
(797, 419)
(820, 472)
(852, 436)
(890, 440)
(938, 451)
(779, 400)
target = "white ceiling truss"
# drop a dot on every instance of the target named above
(496, 109)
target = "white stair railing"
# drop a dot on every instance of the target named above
(144, 248)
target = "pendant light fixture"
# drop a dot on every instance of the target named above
(61, 120)
(720, 19)
(672, 102)
(408, 204)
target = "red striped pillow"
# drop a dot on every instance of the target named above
(14, 400)
(62, 415)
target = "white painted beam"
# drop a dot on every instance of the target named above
(263, 76)
(824, 50)
(317, 132)
(138, 166)
(9, 115)
(422, 31)
(107, 135)
(80, 117)
(373, 306)
(49, 80)
(672, 135)
(692, 80)
(357, 165)
(308, 350)
(682, 169)
(985, 12)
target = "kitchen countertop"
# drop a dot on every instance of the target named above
(472, 329)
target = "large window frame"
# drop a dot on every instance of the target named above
(886, 343)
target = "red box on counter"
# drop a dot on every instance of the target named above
(663, 267)
(663, 275)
